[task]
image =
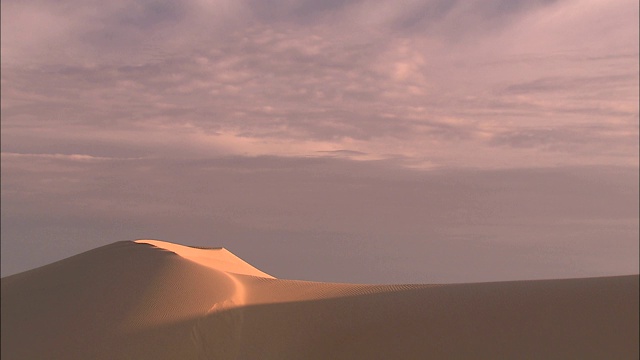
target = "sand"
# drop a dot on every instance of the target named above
(151, 299)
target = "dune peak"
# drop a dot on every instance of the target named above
(217, 258)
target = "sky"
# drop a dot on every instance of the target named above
(352, 141)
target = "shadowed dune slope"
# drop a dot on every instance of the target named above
(151, 299)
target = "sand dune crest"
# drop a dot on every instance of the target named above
(215, 258)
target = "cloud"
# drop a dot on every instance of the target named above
(227, 77)
(570, 140)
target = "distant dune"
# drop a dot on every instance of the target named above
(157, 300)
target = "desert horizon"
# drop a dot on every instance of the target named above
(349, 179)
(150, 299)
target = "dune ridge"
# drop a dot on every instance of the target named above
(152, 299)
(215, 258)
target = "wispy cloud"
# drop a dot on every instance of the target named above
(301, 77)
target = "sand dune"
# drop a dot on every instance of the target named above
(156, 300)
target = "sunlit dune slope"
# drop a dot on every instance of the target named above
(215, 258)
(151, 299)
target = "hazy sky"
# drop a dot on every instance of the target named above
(369, 141)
